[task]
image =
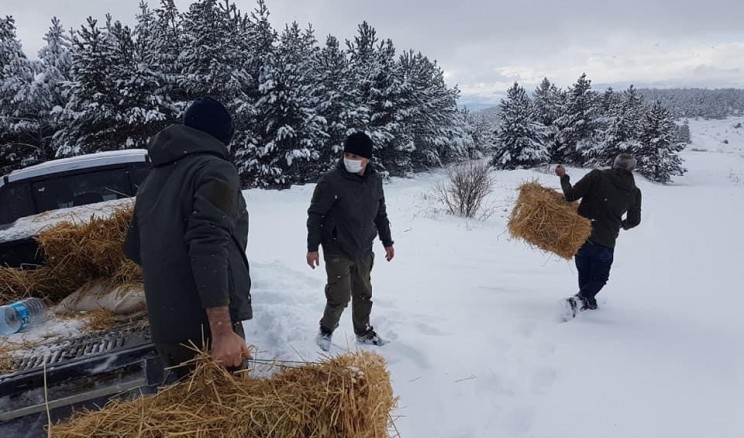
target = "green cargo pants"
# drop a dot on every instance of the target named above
(348, 279)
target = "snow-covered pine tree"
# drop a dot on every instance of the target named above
(162, 54)
(212, 60)
(577, 126)
(658, 152)
(482, 130)
(519, 139)
(112, 103)
(613, 130)
(619, 127)
(257, 42)
(157, 43)
(338, 101)
(142, 110)
(376, 73)
(428, 112)
(20, 135)
(548, 103)
(89, 119)
(48, 93)
(293, 131)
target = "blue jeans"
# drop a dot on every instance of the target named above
(593, 263)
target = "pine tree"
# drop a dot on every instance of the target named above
(211, 59)
(162, 53)
(548, 104)
(113, 104)
(482, 130)
(156, 72)
(338, 97)
(293, 130)
(658, 153)
(375, 70)
(519, 141)
(48, 93)
(20, 135)
(428, 111)
(257, 42)
(577, 127)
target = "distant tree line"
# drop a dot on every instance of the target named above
(698, 102)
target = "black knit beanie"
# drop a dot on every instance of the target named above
(210, 116)
(360, 144)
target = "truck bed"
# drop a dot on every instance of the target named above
(79, 373)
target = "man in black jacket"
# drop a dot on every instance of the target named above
(606, 195)
(347, 211)
(189, 234)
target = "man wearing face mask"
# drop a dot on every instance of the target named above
(189, 234)
(347, 211)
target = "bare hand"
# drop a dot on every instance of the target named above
(313, 259)
(389, 253)
(560, 170)
(230, 349)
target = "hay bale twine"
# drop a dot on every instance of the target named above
(543, 218)
(347, 396)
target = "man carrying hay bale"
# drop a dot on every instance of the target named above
(606, 195)
(347, 211)
(189, 233)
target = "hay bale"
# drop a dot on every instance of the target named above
(76, 254)
(15, 284)
(543, 218)
(348, 396)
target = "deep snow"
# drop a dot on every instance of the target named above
(477, 350)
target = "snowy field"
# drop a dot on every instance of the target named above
(476, 348)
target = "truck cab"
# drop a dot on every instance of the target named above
(59, 184)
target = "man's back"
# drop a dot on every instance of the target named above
(606, 195)
(192, 227)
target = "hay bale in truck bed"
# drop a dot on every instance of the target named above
(76, 253)
(347, 396)
(543, 218)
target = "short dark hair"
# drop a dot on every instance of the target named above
(625, 162)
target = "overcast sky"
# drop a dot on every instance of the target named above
(485, 45)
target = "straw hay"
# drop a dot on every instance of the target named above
(348, 396)
(99, 319)
(75, 254)
(7, 359)
(543, 218)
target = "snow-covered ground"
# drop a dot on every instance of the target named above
(476, 348)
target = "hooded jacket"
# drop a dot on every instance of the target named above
(189, 233)
(606, 195)
(347, 212)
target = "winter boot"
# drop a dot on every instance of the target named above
(371, 338)
(323, 339)
(572, 305)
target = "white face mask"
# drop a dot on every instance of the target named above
(353, 166)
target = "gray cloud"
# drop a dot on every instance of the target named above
(484, 46)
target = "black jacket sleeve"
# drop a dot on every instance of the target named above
(208, 231)
(323, 198)
(633, 217)
(382, 222)
(580, 189)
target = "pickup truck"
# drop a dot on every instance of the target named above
(72, 370)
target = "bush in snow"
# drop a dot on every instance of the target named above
(466, 188)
